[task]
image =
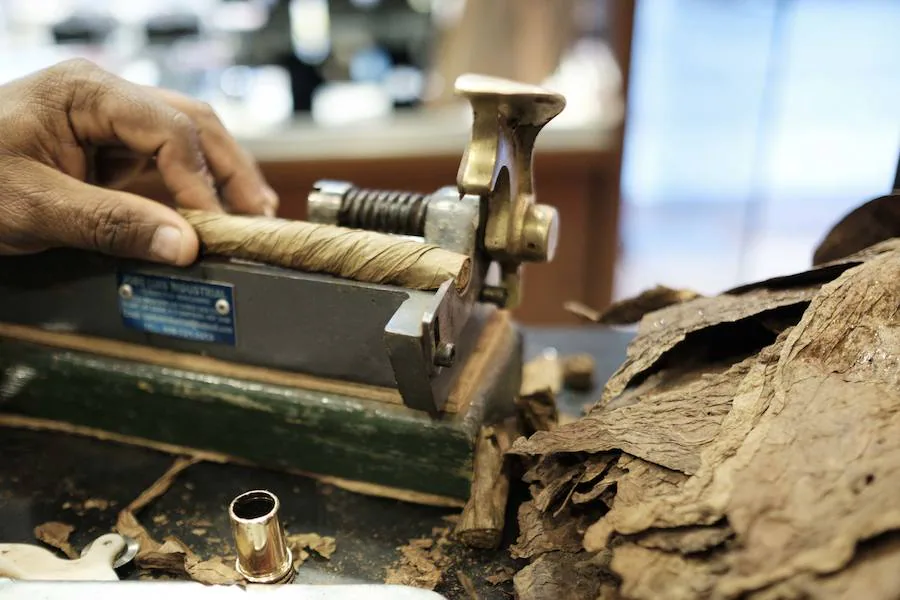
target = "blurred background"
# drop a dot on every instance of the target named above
(705, 143)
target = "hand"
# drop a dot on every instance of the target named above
(72, 133)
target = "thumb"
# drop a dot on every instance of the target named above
(66, 212)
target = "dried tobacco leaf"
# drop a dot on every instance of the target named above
(422, 562)
(632, 310)
(669, 424)
(823, 272)
(637, 488)
(323, 545)
(540, 533)
(703, 498)
(686, 540)
(651, 574)
(56, 535)
(820, 471)
(662, 331)
(572, 576)
(873, 575)
(873, 222)
(502, 575)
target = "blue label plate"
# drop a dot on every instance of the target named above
(188, 309)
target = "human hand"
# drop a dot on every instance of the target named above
(72, 133)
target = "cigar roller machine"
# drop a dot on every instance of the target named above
(412, 343)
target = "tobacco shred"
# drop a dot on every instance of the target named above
(56, 535)
(172, 556)
(422, 562)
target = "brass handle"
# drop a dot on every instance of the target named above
(497, 165)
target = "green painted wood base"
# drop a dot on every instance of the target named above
(272, 426)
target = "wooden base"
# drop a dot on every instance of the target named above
(267, 418)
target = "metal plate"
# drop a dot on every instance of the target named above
(307, 323)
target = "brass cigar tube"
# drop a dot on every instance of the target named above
(263, 555)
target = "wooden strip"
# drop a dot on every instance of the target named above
(193, 362)
(359, 487)
(496, 339)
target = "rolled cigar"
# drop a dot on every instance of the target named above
(365, 256)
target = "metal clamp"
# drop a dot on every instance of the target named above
(495, 171)
(497, 166)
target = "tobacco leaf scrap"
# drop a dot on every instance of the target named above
(631, 310)
(323, 545)
(171, 556)
(500, 576)
(422, 562)
(56, 535)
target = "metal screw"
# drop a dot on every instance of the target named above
(495, 295)
(445, 355)
(126, 292)
(222, 306)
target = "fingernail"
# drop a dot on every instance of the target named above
(270, 202)
(166, 244)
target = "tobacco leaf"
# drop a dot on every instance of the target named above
(550, 477)
(598, 489)
(669, 422)
(572, 576)
(323, 545)
(873, 222)
(873, 575)
(637, 487)
(686, 540)
(213, 571)
(631, 310)
(821, 273)
(56, 535)
(651, 574)
(660, 332)
(703, 498)
(836, 410)
(171, 556)
(540, 533)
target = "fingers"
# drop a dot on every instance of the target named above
(103, 109)
(49, 209)
(236, 173)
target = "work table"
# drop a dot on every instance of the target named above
(49, 477)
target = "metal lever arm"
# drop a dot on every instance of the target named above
(497, 166)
